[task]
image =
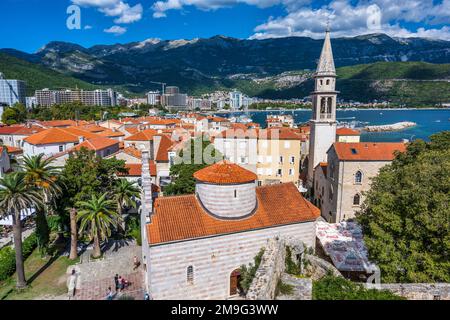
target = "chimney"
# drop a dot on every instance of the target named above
(146, 198)
(80, 139)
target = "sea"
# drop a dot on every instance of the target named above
(429, 121)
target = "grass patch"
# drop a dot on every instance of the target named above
(46, 276)
(283, 288)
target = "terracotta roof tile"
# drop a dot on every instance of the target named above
(182, 217)
(52, 135)
(98, 143)
(368, 151)
(145, 135)
(347, 132)
(225, 172)
(164, 146)
(135, 169)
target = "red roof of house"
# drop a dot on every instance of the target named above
(135, 169)
(225, 172)
(52, 135)
(145, 135)
(368, 151)
(98, 143)
(183, 218)
(347, 132)
(163, 150)
(13, 150)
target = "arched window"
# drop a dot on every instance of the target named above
(329, 104)
(358, 177)
(328, 81)
(357, 200)
(190, 274)
(322, 105)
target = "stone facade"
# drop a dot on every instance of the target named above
(335, 193)
(227, 201)
(213, 259)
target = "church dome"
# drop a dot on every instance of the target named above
(226, 190)
(225, 172)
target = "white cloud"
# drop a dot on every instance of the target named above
(123, 12)
(116, 30)
(347, 17)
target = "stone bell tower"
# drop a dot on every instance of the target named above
(323, 121)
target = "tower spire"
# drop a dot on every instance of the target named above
(325, 67)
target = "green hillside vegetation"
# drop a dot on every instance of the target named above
(36, 76)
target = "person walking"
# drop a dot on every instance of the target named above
(136, 262)
(116, 282)
(110, 295)
(72, 283)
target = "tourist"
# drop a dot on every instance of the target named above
(72, 283)
(116, 282)
(109, 295)
(146, 296)
(136, 262)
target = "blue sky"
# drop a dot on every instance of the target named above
(30, 24)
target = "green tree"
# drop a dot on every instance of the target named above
(41, 175)
(15, 196)
(125, 194)
(406, 215)
(182, 173)
(96, 217)
(15, 114)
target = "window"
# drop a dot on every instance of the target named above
(60, 148)
(281, 159)
(331, 192)
(331, 172)
(235, 193)
(291, 172)
(328, 81)
(356, 200)
(354, 151)
(358, 177)
(321, 82)
(190, 274)
(279, 172)
(259, 183)
(292, 160)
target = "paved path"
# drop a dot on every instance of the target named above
(6, 241)
(95, 276)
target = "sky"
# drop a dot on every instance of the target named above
(28, 25)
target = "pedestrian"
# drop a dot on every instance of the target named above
(136, 262)
(121, 284)
(146, 296)
(72, 283)
(109, 295)
(116, 282)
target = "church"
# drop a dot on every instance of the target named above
(194, 245)
(340, 167)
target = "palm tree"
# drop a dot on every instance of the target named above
(125, 193)
(97, 216)
(40, 174)
(73, 234)
(15, 196)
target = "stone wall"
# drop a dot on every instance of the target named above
(416, 291)
(272, 266)
(317, 268)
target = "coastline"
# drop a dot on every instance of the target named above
(338, 109)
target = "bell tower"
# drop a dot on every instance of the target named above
(323, 121)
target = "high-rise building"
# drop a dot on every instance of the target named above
(173, 99)
(12, 91)
(172, 90)
(153, 98)
(235, 100)
(48, 97)
(323, 121)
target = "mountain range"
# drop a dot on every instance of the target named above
(278, 68)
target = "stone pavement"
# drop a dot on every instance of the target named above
(95, 276)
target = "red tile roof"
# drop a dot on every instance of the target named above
(163, 150)
(347, 132)
(13, 150)
(183, 218)
(225, 172)
(367, 151)
(135, 169)
(97, 144)
(145, 135)
(52, 135)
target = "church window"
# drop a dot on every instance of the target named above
(329, 104)
(190, 274)
(358, 177)
(328, 81)
(321, 82)
(322, 105)
(356, 200)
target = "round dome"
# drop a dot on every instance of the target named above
(225, 172)
(226, 190)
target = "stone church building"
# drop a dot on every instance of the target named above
(194, 245)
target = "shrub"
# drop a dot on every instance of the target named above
(291, 267)
(283, 288)
(336, 288)
(248, 273)
(8, 258)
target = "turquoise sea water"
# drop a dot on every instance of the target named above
(428, 121)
